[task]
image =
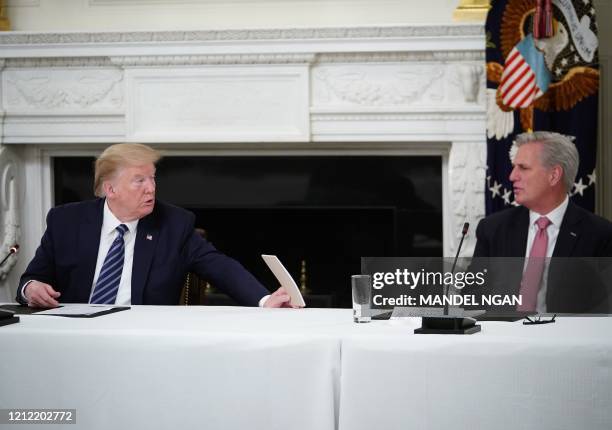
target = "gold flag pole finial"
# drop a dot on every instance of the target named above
(5, 25)
(471, 10)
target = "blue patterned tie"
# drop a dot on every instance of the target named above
(107, 284)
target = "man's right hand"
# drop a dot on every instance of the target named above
(41, 295)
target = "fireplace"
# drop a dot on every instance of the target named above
(292, 99)
(319, 214)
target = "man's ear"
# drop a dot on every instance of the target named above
(108, 189)
(556, 175)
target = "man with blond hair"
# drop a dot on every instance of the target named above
(547, 224)
(128, 248)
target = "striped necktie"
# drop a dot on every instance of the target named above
(107, 284)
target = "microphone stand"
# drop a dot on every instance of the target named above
(466, 226)
(445, 323)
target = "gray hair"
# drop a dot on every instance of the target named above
(557, 149)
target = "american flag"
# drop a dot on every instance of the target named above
(569, 82)
(525, 76)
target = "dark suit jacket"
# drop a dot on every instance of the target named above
(572, 284)
(165, 249)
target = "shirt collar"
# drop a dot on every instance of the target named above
(555, 216)
(110, 222)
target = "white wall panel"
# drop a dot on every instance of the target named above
(218, 104)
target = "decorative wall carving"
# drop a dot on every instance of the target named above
(272, 34)
(9, 208)
(399, 57)
(398, 84)
(467, 169)
(465, 84)
(377, 85)
(194, 60)
(471, 78)
(264, 58)
(64, 62)
(27, 90)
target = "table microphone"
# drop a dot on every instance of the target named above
(446, 324)
(12, 250)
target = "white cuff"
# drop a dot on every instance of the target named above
(22, 292)
(263, 300)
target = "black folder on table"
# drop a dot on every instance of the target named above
(92, 313)
(89, 314)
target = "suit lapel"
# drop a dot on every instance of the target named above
(568, 232)
(88, 244)
(144, 249)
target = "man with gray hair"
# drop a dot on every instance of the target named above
(546, 223)
(544, 186)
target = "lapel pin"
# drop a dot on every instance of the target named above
(149, 237)
(573, 234)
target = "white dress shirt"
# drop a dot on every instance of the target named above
(556, 217)
(107, 236)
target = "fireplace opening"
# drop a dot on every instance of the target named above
(319, 214)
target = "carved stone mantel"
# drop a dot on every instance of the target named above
(409, 90)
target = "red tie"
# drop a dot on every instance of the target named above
(530, 284)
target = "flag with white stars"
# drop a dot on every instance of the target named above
(568, 103)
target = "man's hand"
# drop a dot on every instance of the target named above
(41, 295)
(279, 299)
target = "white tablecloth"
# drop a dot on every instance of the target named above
(509, 376)
(249, 368)
(178, 367)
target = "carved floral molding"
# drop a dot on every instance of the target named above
(49, 89)
(333, 33)
(9, 208)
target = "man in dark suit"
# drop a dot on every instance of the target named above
(128, 248)
(548, 224)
